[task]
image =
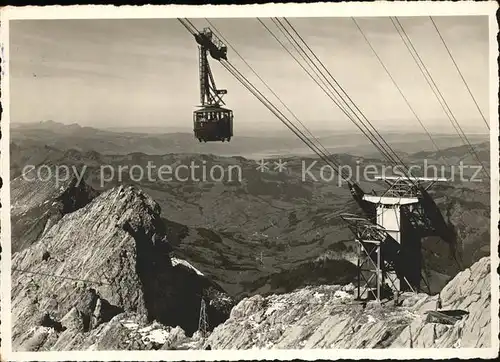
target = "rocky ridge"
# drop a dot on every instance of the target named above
(105, 259)
(315, 317)
(329, 317)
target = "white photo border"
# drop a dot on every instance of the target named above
(345, 9)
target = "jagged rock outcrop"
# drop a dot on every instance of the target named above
(329, 317)
(40, 199)
(107, 258)
(470, 292)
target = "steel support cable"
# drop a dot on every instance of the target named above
(423, 69)
(442, 101)
(386, 152)
(58, 276)
(460, 73)
(332, 89)
(365, 119)
(382, 150)
(242, 79)
(398, 88)
(381, 147)
(432, 84)
(247, 84)
(324, 150)
(347, 114)
(426, 75)
(324, 87)
(188, 25)
(316, 77)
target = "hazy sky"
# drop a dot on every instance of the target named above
(112, 73)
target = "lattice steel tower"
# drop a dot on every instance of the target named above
(389, 237)
(203, 321)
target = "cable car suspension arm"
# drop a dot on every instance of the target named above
(216, 93)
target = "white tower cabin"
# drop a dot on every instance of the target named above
(389, 240)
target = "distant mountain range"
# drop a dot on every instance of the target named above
(63, 136)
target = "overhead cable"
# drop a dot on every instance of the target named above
(435, 89)
(460, 73)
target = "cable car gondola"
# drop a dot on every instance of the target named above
(211, 122)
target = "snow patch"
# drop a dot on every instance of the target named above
(159, 336)
(130, 325)
(154, 333)
(176, 261)
(146, 329)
